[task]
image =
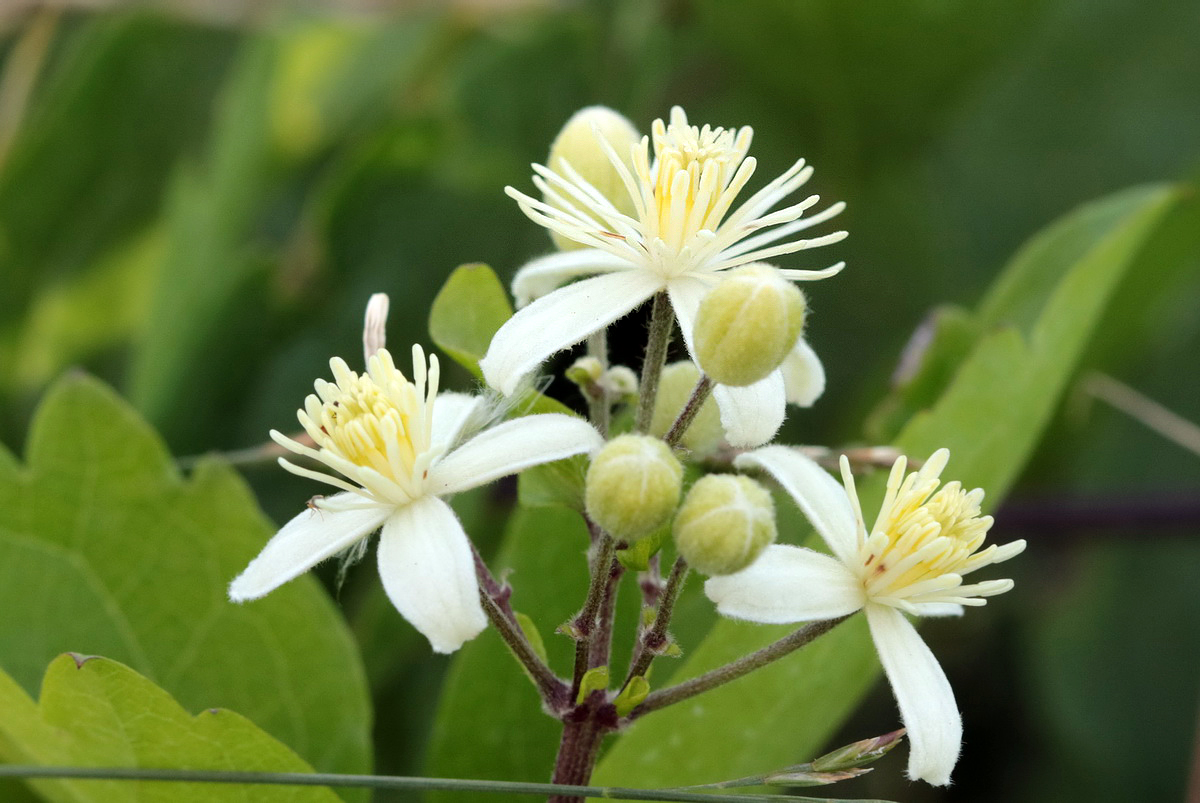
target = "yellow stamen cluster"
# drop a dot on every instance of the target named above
(374, 428)
(696, 176)
(926, 539)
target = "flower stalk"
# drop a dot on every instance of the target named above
(654, 640)
(662, 323)
(736, 669)
(700, 395)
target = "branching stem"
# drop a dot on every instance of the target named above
(690, 410)
(653, 640)
(732, 671)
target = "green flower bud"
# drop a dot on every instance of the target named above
(747, 324)
(585, 371)
(578, 146)
(724, 524)
(633, 486)
(675, 387)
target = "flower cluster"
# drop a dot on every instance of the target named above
(637, 218)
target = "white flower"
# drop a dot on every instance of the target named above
(681, 238)
(912, 561)
(395, 441)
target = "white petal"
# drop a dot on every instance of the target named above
(686, 293)
(511, 447)
(753, 414)
(822, 498)
(305, 541)
(787, 584)
(428, 572)
(803, 375)
(540, 276)
(938, 609)
(924, 695)
(560, 320)
(451, 413)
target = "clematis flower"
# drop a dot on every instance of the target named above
(680, 239)
(913, 561)
(396, 443)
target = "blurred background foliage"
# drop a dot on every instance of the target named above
(196, 200)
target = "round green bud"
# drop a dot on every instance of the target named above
(747, 324)
(633, 486)
(577, 144)
(724, 524)
(675, 386)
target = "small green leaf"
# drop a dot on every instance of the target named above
(532, 634)
(468, 310)
(636, 558)
(812, 777)
(94, 712)
(595, 679)
(858, 753)
(106, 549)
(632, 695)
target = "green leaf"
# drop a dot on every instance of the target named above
(990, 417)
(557, 484)
(95, 712)
(105, 549)
(467, 311)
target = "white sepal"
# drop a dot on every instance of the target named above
(926, 700)
(540, 276)
(823, 500)
(559, 321)
(451, 414)
(787, 584)
(306, 540)
(428, 572)
(803, 374)
(938, 609)
(511, 447)
(752, 415)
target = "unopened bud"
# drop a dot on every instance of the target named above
(585, 371)
(675, 386)
(620, 382)
(724, 524)
(577, 144)
(633, 486)
(747, 324)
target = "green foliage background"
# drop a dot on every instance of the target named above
(195, 211)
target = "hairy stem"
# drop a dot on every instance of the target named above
(653, 640)
(602, 638)
(577, 752)
(700, 395)
(732, 671)
(585, 622)
(554, 691)
(662, 322)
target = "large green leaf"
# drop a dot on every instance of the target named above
(105, 549)
(468, 310)
(95, 712)
(990, 416)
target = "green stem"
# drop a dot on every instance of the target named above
(554, 691)
(662, 322)
(400, 782)
(602, 638)
(654, 639)
(732, 671)
(585, 622)
(599, 404)
(690, 410)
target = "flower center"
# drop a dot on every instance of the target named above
(375, 428)
(692, 184)
(925, 539)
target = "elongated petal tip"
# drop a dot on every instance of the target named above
(428, 572)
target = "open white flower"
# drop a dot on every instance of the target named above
(680, 239)
(912, 561)
(395, 443)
